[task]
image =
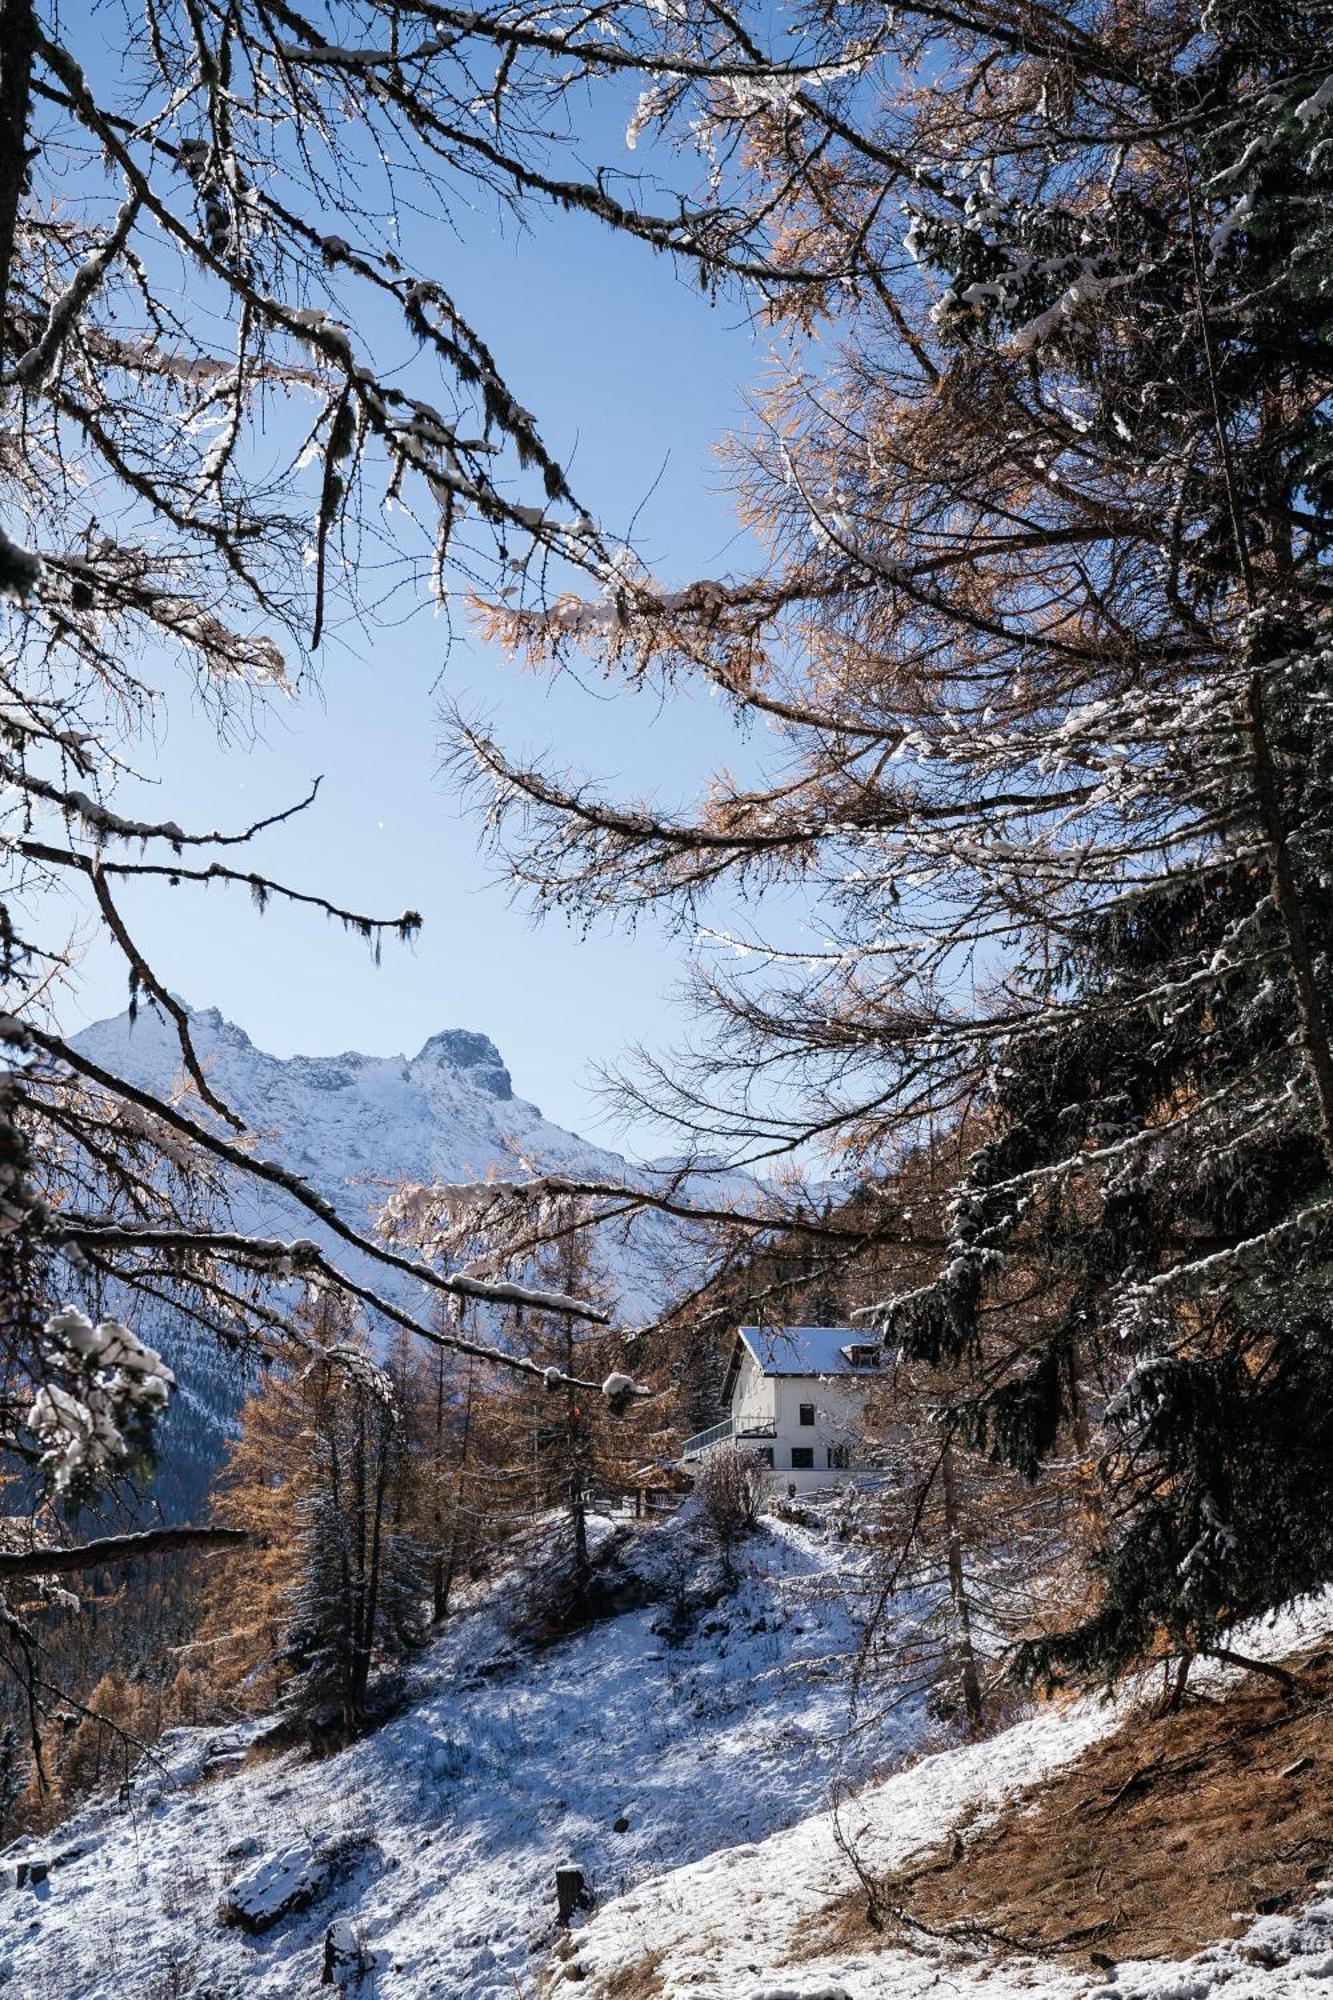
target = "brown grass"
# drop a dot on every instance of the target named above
(640, 1981)
(1172, 1833)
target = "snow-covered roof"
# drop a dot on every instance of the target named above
(805, 1350)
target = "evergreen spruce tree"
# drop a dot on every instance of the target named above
(1161, 1121)
(1162, 1169)
(357, 1600)
(13, 1776)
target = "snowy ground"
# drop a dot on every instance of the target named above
(729, 1927)
(436, 1839)
(676, 1776)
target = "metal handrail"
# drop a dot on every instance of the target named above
(702, 1441)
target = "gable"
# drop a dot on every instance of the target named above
(809, 1351)
(743, 1375)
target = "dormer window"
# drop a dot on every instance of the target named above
(862, 1355)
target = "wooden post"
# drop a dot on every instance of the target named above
(571, 1892)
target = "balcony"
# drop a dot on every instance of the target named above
(727, 1432)
(703, 1442)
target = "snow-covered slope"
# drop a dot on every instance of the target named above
(354, 1126)
(736, 1924)
(677, 1762)
(626, 1748)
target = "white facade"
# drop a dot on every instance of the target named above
(796, 1396)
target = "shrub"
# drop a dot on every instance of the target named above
(730, 1492)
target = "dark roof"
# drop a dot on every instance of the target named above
(805, 1350)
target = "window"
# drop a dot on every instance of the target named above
(802, 1458)
(806, 1414)
(839, 1457)
(764, 1453)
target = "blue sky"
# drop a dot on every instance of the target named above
(633, 376)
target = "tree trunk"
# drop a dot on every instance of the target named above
(370, 1610)
(962, 1610)
(578, 1512)
(441, 1577)
(1286, 894)
(446, 1571)
(1176, 1697)
(338, 1518)
(17, 38)
(359, 1542)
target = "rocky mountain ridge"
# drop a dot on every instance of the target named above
(355, 1126)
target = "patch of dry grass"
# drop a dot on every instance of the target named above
(640, 1981)
(1171, 1833)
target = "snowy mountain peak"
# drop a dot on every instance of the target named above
(212, 1021)
(357, 1126)
(460, 1049)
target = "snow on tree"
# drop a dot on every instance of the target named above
(1043, 650)
(243, 405)
(211, 454)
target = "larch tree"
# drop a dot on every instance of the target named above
(463, 1489)
(969, 1561)
(321, 1477)
(1043, 639)
(358, 1589)
(554, 1438)
(266, 1477)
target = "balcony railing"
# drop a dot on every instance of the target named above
(705, 1441)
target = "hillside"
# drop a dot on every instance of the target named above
(671, 1751)
(1227, 1844)
(699, 1717)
